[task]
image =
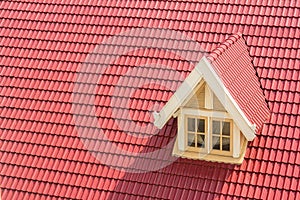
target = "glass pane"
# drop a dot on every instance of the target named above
(225, 144)
(216, 142)
(201, 125)
(200, 141)
(226, 128)
(216, 127)
(191, 140)
(191, 124)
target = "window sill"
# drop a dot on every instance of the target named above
(209, 157)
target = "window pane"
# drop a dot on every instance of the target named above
(191, 140)
(216, 142)
(226, 128)
(201, 125)
(225, 144)
(200, 141)
(191, 124)
(216, 127)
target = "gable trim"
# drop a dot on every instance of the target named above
(204, 70)
(217, 86)
(179, 97)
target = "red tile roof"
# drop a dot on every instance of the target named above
(233, 64)
(42, 48)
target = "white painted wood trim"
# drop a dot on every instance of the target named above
(209, 157)
(204, 70)
(181, 149)
(236, 141)
(208, 98)
(217, 86)
(205, 113)
(181, 134)
(187, 87)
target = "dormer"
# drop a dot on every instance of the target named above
(219, 106)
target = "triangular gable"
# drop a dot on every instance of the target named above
(204, 98)
(230, 75)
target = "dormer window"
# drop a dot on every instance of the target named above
(219, 107)
(196, 129)
(221, 135)
(218, 138)
(206, 130)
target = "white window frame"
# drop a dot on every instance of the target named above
(209, 114)
(196, 149)
(221, 152)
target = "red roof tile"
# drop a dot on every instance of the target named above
(240, 80)
(42, 48)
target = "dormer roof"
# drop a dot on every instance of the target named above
(229, 72)
(232, 63)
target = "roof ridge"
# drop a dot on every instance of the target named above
(224, 46)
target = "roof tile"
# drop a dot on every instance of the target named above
(42, 46)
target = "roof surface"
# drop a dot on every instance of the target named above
(51, 146)
(232, 63)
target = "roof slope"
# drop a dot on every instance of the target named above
(233, 64)
(42, 48)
